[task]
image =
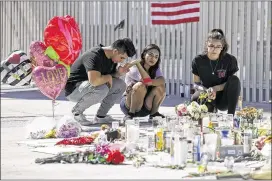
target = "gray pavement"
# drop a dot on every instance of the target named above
(21, 105)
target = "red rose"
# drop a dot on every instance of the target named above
(109, 158)
(122, 158)
(115, 157)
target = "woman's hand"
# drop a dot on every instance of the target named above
(211, 93)
(129, 88)
(134, 62)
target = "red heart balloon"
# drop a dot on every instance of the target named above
(15, 59)
(62, 33)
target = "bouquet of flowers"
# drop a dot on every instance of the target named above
(193, 110)
(83, 140)
(250, 113)
(67, 127)
(101, 154)
(104, 155)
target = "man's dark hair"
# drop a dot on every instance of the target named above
(124, 45)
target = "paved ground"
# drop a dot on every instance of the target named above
(19, 106)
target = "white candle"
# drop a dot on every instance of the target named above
(115, 125)
(132, 133)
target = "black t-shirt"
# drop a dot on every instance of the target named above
(93, 59)
(223, 68)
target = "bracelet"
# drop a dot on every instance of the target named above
(147, 80)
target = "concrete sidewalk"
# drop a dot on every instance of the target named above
(29, 101)
(21, 105)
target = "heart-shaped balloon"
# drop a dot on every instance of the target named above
(15, 59)
(50, 80)
(37, 55)
(63, 34)
(16, 69)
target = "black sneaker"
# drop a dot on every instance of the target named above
(127, 117)
(157, 114)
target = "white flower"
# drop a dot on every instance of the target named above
(203, 108)
(196, 115)
(190, 109)
(202, 115)
(194, 104)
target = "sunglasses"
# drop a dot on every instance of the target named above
(215, 47)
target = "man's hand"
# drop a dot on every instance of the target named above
(211, 93)
(125, 68)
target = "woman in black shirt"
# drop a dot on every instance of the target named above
(214, 71)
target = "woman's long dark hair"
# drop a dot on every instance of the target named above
(217, 34)
(152, 70)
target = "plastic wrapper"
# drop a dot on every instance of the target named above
(266, 150)
(40, 128)
(67, 127)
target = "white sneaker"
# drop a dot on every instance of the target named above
(105, 120)
(83, 120)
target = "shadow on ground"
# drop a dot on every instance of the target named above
(170, 101)
(29, 95)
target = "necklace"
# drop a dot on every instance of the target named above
(214, 67)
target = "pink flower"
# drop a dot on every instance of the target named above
(184, 110)
(179, 113)
(181, 110)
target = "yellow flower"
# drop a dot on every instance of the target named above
(51, 134)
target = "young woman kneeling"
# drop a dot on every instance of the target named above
(214, 70)
(145, 86)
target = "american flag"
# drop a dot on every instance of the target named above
(171, 13)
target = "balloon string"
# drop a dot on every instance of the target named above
(54, 103)
(53, 108)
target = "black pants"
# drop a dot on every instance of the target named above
(144, 110)
(226, 99)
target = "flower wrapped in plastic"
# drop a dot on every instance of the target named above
(40, 128)
(67, 127)
(102, 149)
(104, 155)
(250, 113)
(83, 140)
(115, 157)
(193, 110)
(99, 155)
(181, 110)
